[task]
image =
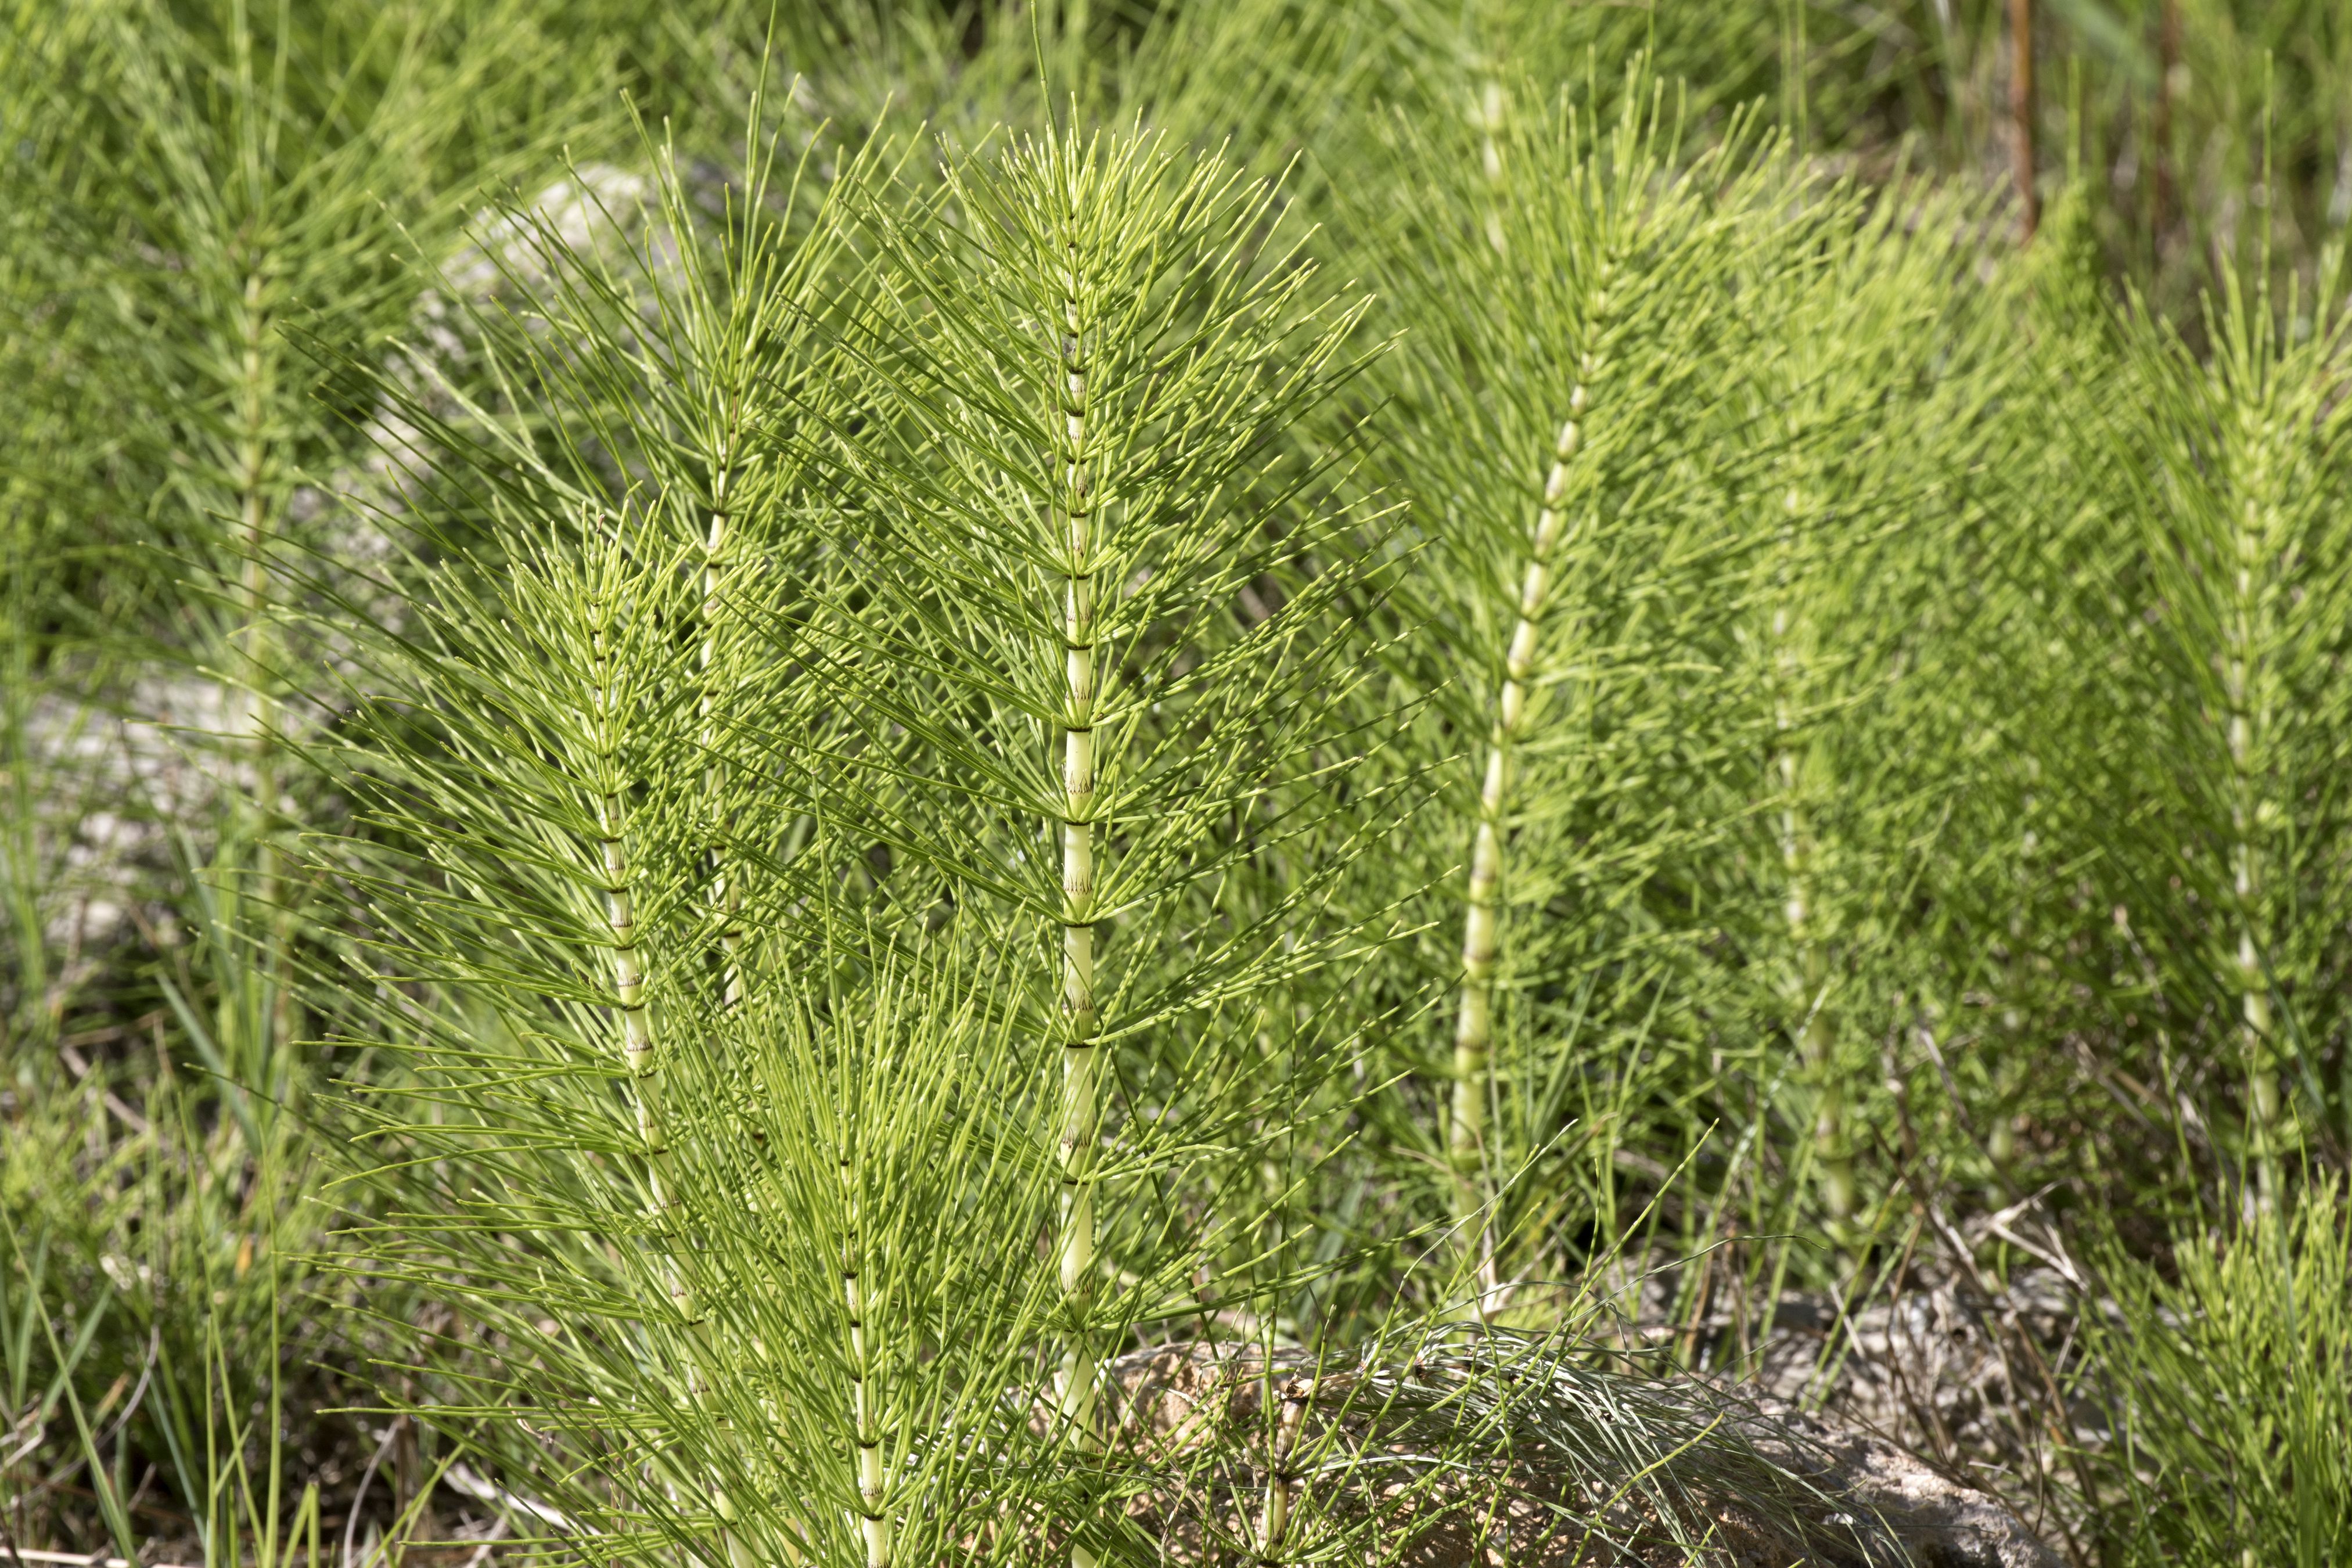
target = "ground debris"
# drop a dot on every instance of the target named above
(1514, 1450)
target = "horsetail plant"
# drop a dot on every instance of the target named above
(1560, 377)
(1863, 447)
(217, 183)
(1077, 514)
(266, 201)
(1033, 673)
(2251, 565)
(666, 341)
(779, 1324)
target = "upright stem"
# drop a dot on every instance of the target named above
(1081, 1067)
(620, 917)
(1816, 1025)
(1490, 112)
(255, 525)
(2249, 715)
(726, 895)
(253, 520)
(2021, 112)
(874, 1523)
(2000, 1141)
(2159, 129)
(1474, 1024)
(1274, 1519)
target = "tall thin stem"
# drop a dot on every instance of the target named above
(256, 384)
(726, 893)
(1080, 1118)
(1490, 113)
(1281, 1481)
(2021, 114)
(866, 1436)
(1809, 987)
(608, 720)
(1475, 1022)
(2245, 685)
(2159, 128)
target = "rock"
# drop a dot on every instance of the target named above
(1514, 1449)
(1940, 1523)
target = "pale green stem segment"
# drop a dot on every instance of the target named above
(2002, 1142)
(1080, 1116)
(866, 1436)
(628, 949)
(1489, 112)
(259, 706)
(726, 895)
(1809, 994)
(2245, 635)
(254, 523)
(1281, 1483)
(1474, 1028)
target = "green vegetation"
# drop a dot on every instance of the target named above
(737, 751)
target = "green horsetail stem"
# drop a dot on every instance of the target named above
(1489, 112)
(259, 707)
(253, 520)
(1474, 1024)
(2245, 632)
(1816, 1029)
(1281, 1480)
(2000, 1141)
(726, 893)
(1080, 1116)
(866, 1436)
(621, 924)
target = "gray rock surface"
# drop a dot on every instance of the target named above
(1758, 1482)
(1939, 1522)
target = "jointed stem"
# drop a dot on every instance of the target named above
(1080, 1066)
(256, 524)
(1474, 1026)
(1815, 1024)
(1273, 1520)
(874, 1523)
(2244, 635)
(620, 916)
(726, 894)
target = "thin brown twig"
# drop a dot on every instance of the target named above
(2021, 114)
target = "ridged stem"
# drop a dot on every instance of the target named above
(1274, 1518)
(1816, 1025)
(866, 1436)
(621, 926)
(2001, 1140)
(726, 894)
(1474, 1026)
(1080, 1114)
(1490, 111)
(255, 527)
(2243, 680)
(254, 530)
